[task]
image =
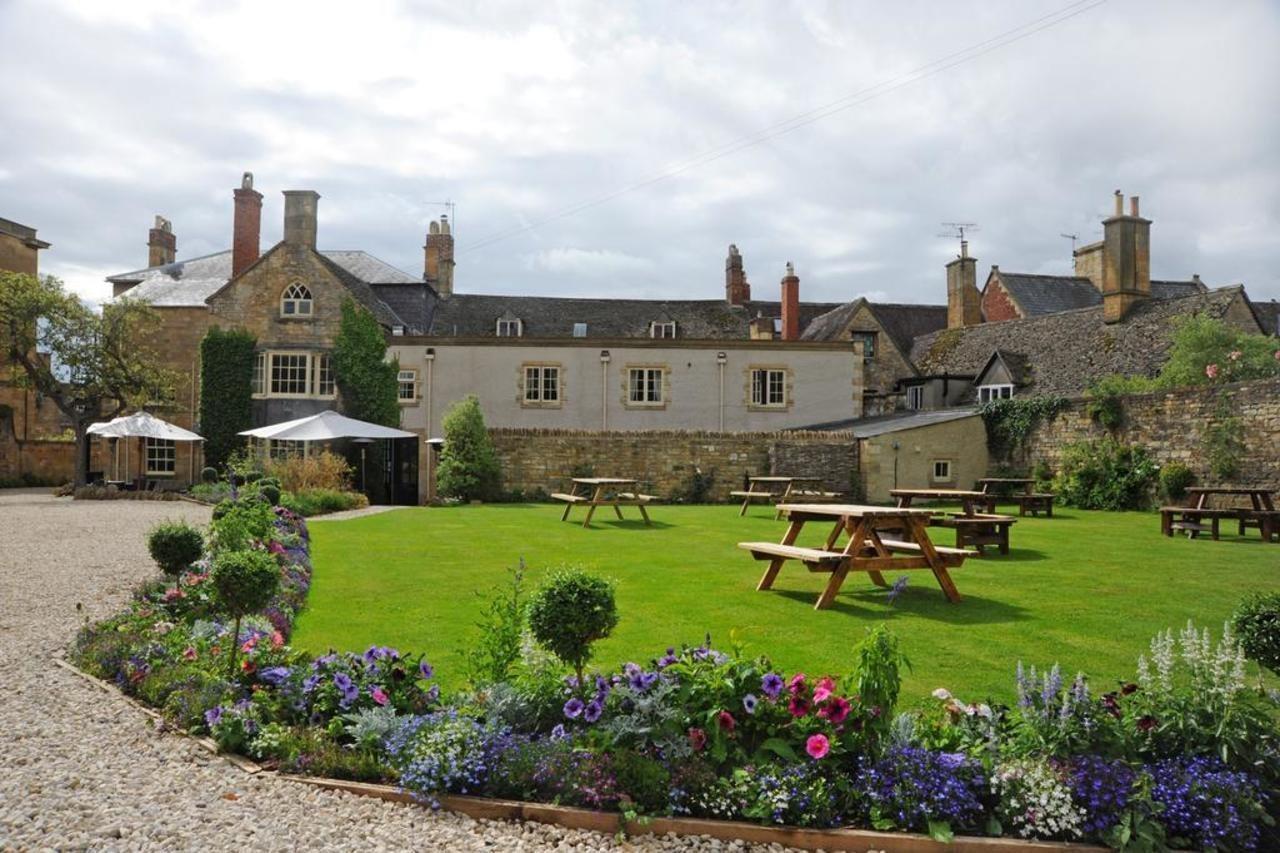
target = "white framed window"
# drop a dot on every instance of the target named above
(510, 328)
(644, 386)
(989, 393)
(290, 374)
(259, 374)
(408, 380)
(541, 383)
(941, 470)
(868, 340)
(295, 301)
(768, 387)
(162, 456)
(662, 329)
(279, 449)
(915, 397)
(326, 383)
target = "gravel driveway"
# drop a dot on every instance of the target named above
(84, 770)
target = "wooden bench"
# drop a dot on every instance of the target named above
(815, 558)
(911, 547)
(1267, 521)
(978, 530)
(638, 498)
(1191, 521)
(817, 496)
(573, 499)
(1034, 503)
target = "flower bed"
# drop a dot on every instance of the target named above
(1185, 755)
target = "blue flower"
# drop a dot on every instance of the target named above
(274, 674)
(309, 683)
(350, 692)
(573, 708)
(213, 716)
(749, 703)
(772, 685)
(592, 712)
(558, 732)
(899, 587)
(426, 670)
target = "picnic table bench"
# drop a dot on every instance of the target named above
(978, 530)
(1192, 521)
(865, 550)
(1021, 493)
(1261, 514)
(972, 501)
(603, 491)
(782, 488)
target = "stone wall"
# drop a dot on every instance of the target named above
(1173, 426)
(664, 461)
(52, 461)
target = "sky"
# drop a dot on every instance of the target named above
(617, 149)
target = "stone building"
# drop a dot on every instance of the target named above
(33, 441)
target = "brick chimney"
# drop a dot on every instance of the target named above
(162, 245)
(790, 305)
(736, 289)
(246, 226)
(437, 267)
(300, 208)
(1126, 260)
(964, 302)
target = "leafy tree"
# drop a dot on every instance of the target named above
(468, 463)
(569, 612)
(92, 366)
(368, 383)
(226, 391)
(245, 582)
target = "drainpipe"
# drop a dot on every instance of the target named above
(430, 358)
(721, 358)
(604, 390)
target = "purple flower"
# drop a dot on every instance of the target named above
(668, 659)
(347, 687)
(749, 703)
(772, 685)
(274, 674)
(631, 670)
(309, 683)
(573, 708)
(899, 587)
(433, 693)
(213, 716)
(648, 680)
(592, 711)
(425, 670)
(558, 732)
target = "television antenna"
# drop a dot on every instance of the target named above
(957, 230)
(451, 207)
(1073, 238)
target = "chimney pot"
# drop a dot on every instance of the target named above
(1133, 206)
(964, 248)
(437, 263)
(246, 225)
(162, 245)
(736, 289)
(1119, 203)
(790, 305)
(300, 210)
(964, 301)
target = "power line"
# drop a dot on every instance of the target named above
(785, 126)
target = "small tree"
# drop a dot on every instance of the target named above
(92, 366)
(569, 612)
(468, 464)
(226, 391)
(175, 545)
(368, 383)
(245, 582)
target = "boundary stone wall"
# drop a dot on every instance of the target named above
(1172, 425)
(664, 461)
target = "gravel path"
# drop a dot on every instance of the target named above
(84, 770)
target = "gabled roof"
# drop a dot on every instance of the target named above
(1268, 316)
(474, 314)
(902, 323)
(1015, 364)
(1068, 351)
(1038, 295)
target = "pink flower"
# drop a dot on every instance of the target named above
(1278, 355)
(796, 684)
(249, 644)
(379, 695)
(277, 639)
(836, 710)
(174, 594)
(817, 746)
(726, 721)
(821, 694)
(798, 707)
(697, 739)
(1234, 355)
(1211, 370)
(189, 653)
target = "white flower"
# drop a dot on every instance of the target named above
(942, 693)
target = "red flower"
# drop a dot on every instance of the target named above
(796, 684)
(248, 666)
(836, 710)
(189, 653)
(249, 644)
(1109, 702)
(697, 739)
(817, 746)
(726, 721)
(798, 707)
(1129, 688)
(1146, 724)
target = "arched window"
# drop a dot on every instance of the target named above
(296, 301)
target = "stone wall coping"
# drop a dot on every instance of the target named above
(834, 437)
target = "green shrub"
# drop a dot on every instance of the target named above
(1106, 474)
(569, 612)
(222, 508)
(311, 502)
(1106, 398)
(226, 392)
(175, 545)
(270, 492)
(240, 524)
(1174, 480)
(245, 582)
(696, 488)
(1011, 421)
(253, 476)
(468, 464)
(1257, 624)
(644, 780)
(209, 475)
(1224, 443)
(368, 384)
(187, 699)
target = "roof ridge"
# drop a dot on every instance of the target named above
(170, 264)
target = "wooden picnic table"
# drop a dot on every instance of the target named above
(781, 488)
(1261, 498)
(1023, 494)
(1024, 484)
(973, 502)
(1263, 514)
(604, 491)
(865, 548)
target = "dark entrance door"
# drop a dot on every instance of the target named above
(404, 479)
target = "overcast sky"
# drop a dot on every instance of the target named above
(114, 112)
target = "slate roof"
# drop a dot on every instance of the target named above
(1014, 362)
(474, 314)
(1268, 314)
(902, 323)
(1048, 294)
(1065, 352)
(896, 422)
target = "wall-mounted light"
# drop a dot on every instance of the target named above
(604, 356)
(430, 354)
(721, 358)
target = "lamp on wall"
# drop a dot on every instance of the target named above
(604, 356)
(721, 358)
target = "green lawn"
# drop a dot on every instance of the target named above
(1084, 589)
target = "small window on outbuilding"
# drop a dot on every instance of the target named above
(991, 393)
(296, 301)
(942, 471)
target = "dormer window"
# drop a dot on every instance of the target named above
(662, 329)
(510, 327)
(296, 301)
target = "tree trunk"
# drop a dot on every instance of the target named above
(82, 453)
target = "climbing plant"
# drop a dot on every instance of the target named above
(1224, 442)
(226, 391)
(1011, 421)
(366, 380)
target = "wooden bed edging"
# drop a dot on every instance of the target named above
(484, 808)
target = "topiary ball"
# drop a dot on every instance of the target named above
(253, 476)
(209, 475)
(571, 611)
(175, 545)
(245, 580)
(221, 508)
(270, 492)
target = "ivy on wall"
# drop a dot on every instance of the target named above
(368, 383)
(1011, 421)
(226, 391)
(1224, 442)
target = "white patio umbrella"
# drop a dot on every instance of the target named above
(326, 426)
(141, 425)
